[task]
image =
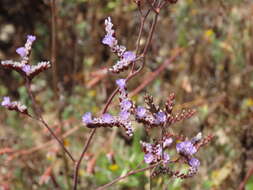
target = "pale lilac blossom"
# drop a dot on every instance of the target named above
(27, 69)
(124, 115)
(186, 148)
(121, 83)
(160, 117)
(193, 162)
(141, 112)
(6, 101)
(167, 142)
(21, 51)
(107, 118)
(87, 118)
(149, 158)
(126, 104)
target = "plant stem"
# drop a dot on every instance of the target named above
(40, 119)
(126, 175)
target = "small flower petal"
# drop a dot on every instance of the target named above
(160, 117)
(140, 112)
(193, 162)
(107, 118)
(21, 51)
(124, 115)
(129, 56)
(27, 68)
(186, 148)
(87, 118)
(6, 101)
(31, 38)
(166, 158)
(109, 40)
(121, 83)
(149, 158)
(126, 104)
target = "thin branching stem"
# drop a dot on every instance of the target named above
(150, 35)
(126, 175)
(41, 120)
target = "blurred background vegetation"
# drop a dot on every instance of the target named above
(212, 75)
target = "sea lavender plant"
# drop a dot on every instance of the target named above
(156, 152)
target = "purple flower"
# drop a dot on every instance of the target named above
(166, 158)
(21, 51)
(140, 112)
(26, 68)
(31, 38)
(160, 117)
(149, 147)
(109, 40)
(124, 115)
(129, 56)
(158, 150)
(186, 148)
(6, 101)
(126, 104)
(121, 83)
(149, 158)
(193, 162)
(107, 118)
(87, 118)
(167, 142)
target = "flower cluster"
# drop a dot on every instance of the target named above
(107, 120)
(153, 116)
(17, 106)
(156, 152)
(126, 57)
(23, 66)
(25, 51)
